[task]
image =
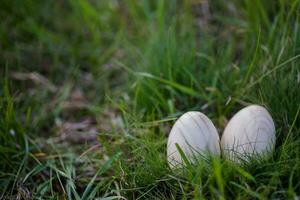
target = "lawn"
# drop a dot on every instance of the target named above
(89, 90)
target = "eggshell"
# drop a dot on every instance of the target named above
(195, 134)
(250, 132)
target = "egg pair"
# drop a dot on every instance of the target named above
(250, 132)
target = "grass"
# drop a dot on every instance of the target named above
(90, 89)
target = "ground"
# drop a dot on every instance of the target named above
(89, 90)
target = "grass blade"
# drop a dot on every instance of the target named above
(102, 170)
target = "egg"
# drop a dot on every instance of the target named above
(196, 136)
(250, 132)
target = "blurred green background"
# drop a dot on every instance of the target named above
(89, 90)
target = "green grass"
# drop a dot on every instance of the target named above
(125, 70)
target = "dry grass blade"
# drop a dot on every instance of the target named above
(77, 132)
(36, 78)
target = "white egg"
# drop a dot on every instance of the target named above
(250, 132)
(196, 136)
